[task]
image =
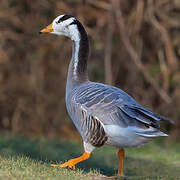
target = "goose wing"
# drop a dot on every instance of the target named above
(103, 100)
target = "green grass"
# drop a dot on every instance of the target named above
(25, 158)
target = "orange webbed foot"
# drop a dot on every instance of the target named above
(71, 163)
(68, 164)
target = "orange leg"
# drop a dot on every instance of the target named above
(72, 162)
(121, 161)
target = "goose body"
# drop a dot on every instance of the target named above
(102, 114)
(107, 115)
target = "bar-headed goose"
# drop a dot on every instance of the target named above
(102, 114)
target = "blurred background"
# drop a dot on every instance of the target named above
(135, 45)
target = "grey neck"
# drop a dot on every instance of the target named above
(77, 71)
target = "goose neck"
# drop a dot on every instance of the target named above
(77, 71)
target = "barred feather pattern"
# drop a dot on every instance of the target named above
(90, 128)
(94, 131)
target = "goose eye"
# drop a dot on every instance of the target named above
(57, 22)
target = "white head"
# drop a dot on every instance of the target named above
(66, 25)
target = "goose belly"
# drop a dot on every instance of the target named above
(123, 137)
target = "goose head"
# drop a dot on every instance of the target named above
(66, 25)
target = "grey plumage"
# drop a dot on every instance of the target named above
(108, 106)
(102, 114)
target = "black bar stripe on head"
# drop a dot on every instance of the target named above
(66, 16)
(74, 22)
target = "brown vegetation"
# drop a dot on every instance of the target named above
(137, 41)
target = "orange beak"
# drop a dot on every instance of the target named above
(47, 29)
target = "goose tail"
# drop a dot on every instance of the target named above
(152, 134)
